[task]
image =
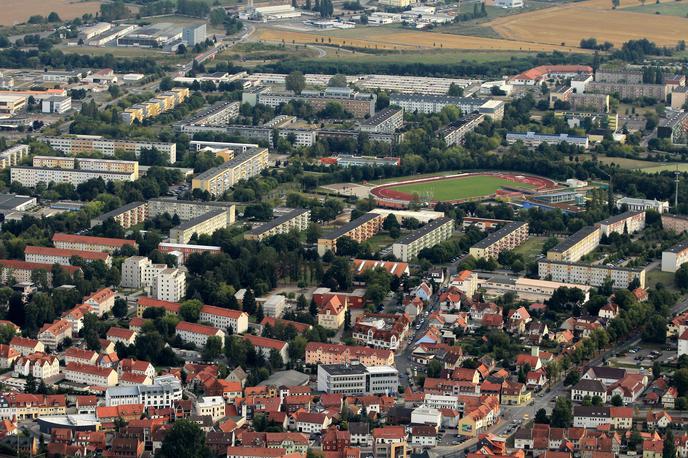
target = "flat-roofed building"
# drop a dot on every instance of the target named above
(455, 133)
(428, 104)
(535, 139)
(527, 289)
(13, 155)
(89, 243)
(358, 104)
(506, 238)
(170, 285)
(295, 220)
(387, 120)
(183, 251)
(576, 246)
(77, 144)
(360, 230)
(675, 223)
(205, 224)
(31, 176)
(675, 257)
(190, 209)
(85, 163)
(357, 379)
(585, 274)
(126, 216)
(628, 222)
(222, 178)
(10, 105)
(433, 233)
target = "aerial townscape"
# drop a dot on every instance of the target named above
(343, 229)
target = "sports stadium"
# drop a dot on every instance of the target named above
(459, 188)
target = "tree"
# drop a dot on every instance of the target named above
(259, 313)
(541, 417)
(572, 378)
(166, 83)
(31, 383)
(120, 308)
(313, 308)
(681, 277)
(617, 400)
(190, 310)
(184, 439)
(90, 331)
(596, 401)
(434, 369)
(54, 17)
(295, 82)
(212, 349)
(455, 90)
(561, 413)
(347, 320)
(337, 80)
(248, 305)
(656, 369)
(669, 449)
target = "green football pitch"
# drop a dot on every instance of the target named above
(459, 188)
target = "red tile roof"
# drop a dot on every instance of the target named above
(265, 342)
(172, 307)
(89, 369)
(196, 328)
(272, 321)
(23, 342)
(120, 333)
(62, 252)
(219, 311)
(101, 295)
(87, 239)
(24, 265)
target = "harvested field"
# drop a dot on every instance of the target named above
(385, 38)
(18, 11)
(572, 22)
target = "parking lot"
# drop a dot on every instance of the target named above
(642, 356)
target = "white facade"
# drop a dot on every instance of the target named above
(31, 176)
(198, 334)
(170, 285)
(594, 275)
(163, 392)
(425, 415)
(633, 204)
(357, 379)
(675, 257)
(210, 405)
(224, 318)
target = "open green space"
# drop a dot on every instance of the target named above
(671, 167)
(436, 57)
(639, 164)
(380, 241)
(668, 8)
(657, 276)
(531, 248)
(459, 188)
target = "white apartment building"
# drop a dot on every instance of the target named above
(577, 245)
(90, 375)
(132, 271)
(198, 334)
(205, 224)
(506, 238)
(12, 156)
(53, 334)
(357, 379)
(50, 255)
(85, 163)
(101, 301)
(295, 220)
(274, 305)
(441, 401)
(170, 285)
(88, 243)
(628, 222)
(164, 391)
(675, 257)
(214, 406)
(31, 176)
(433, 233)
(222, 318)
(40, 365)
(593, 275)
(74, 145)
(633, 204)
(242, 167)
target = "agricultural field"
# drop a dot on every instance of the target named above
(667, 9)
(593, 18)
(17, 11)
(386, 38)
(457, 188)
(671, 167)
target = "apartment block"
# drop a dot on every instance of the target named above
(506, 238)
(10, 105)
(675, 257)
(357, 379)
(53, 334)
(31, 176)
(21, 270)
(183, 251)
(455, 133)
(628, 222)
(358, 104)
(328, 353)
(89, 243)
(222, 318)
(12, 156)
(126, 216)
(675, 223)
(433, 233)
(220, 179)
(360, 229)
(387, 120)
(205, 224)
(170, 285)
(577, 245)
(79, 144)
(163, 283)
(49, 255)
(190, 209)
(294, 220)
(435, 103)
(218, 114)
(630, 91)
(598, 103)
(198, 334)
(132, 272)
(151, 108)
(90, 375)
(593, 275)
(164, 392)
(526, 289)
(85, 163)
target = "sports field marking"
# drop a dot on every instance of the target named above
(459, 188)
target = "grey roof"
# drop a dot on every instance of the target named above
(575, 238)
(625, 269)
(447, 99)
(359, 427)
(286, 378)
(607, 372)
(118, 211)
(381, 116)
(680, 246)
(189, 223)
(11, 201)
(343, 369)
(277, 221)
(336, 233)
(619, 217)
(429, 227)
(499, 234)
(594, 386)
(238, 159)
(591, 411)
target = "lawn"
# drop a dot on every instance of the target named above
(380, 241)
(669, 8)
(657, 276)
(665, 167)
(531, 248)
(458, 188)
